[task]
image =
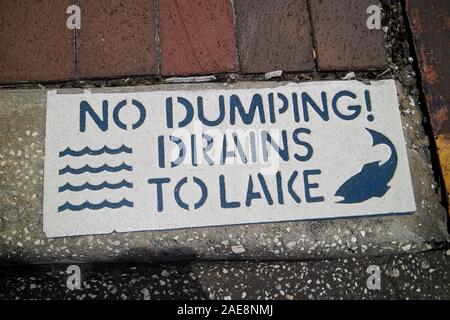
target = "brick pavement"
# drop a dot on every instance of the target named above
(117, 38)
(35, 47)
(197, 37)
(180, 37)
(274, 35)
(343, 40)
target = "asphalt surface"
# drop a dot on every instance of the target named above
(423, 275)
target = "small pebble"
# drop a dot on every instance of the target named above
(238, 249)
(349, 76)
(273, 74)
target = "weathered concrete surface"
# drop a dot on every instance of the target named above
(22, 125)
(423, 275)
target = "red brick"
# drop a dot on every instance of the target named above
(35, 44)
(117, 38)
(197, 37)
(343, 40)
(273, 35)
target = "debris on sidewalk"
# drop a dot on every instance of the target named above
(349, 76)
(273, 74)
(191, 79)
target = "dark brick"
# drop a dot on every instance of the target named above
(343, 40)
(197, 37)
(117, 38)
(430, 24)
(35, 44)
(273, 35)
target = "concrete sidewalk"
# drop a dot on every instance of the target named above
(22, 115)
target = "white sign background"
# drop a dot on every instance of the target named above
(341, 149)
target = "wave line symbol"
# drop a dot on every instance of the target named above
(88, 186)
(96, 206)
(93, 152)
(90, 169)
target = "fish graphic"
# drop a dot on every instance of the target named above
(372, 180)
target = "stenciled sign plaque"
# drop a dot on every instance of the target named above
(158, 160)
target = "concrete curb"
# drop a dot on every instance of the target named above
(22, 115)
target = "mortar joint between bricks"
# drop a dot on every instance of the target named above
(233, 11)
(313, 37)
(76, 49)
(157, 38)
